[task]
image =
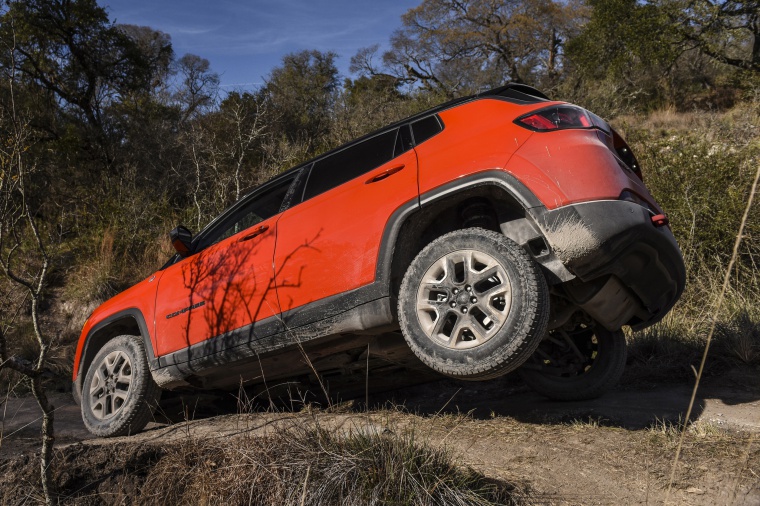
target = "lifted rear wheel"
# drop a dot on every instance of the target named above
(473, 305)
(577, 365)
(119, 394)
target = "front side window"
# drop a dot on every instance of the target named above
(256, 210)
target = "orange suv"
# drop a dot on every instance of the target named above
(495, 232)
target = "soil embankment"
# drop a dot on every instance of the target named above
(615, 450)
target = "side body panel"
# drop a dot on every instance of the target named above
(477, 136)
(570, 166)
(225, 287)
(329, 244)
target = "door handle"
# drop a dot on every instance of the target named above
(384, 174)
(255, 233)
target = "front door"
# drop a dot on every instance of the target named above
(226, 286)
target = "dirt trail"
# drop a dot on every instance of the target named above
(614, 450)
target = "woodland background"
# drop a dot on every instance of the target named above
(108, 139)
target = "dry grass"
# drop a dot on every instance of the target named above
(308, 464)
(700, 166)
(295, 460)
(96, 280)
(698, 430)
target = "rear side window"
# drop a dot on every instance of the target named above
(349, 163)
(426, 128)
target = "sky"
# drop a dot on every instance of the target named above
(244, 40)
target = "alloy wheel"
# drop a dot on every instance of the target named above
(111, 385)
(463, 299)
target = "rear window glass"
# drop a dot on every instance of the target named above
(349, 163)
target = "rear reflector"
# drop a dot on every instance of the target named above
(660, 220)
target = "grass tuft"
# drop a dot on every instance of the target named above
(292, 461)
(307, 464)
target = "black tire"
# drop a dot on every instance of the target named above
(570, 377)
(119, 394)
(516, 307)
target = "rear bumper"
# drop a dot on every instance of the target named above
(599, 239)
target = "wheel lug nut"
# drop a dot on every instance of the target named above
(473, 300)
(468, 288)
(464, 309)
(453, 304)
(455, 291)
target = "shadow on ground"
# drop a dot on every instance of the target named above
(731, 400)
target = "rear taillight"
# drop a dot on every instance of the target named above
(562, 117)
(558, 117)
(567, 117)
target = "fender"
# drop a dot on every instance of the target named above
(88, 350)
(496, 177)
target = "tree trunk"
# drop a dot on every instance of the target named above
(48, 438)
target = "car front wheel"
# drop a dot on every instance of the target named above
(473, 305)
(119, 394)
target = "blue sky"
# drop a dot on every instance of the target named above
(243, 40)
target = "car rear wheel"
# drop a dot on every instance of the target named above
(473, 305)
(119, 394)
(577, 365)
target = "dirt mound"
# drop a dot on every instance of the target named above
(300, 462)
(617, 449)
(83, 474)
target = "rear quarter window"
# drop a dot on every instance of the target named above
(426, 128)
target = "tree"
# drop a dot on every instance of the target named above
(726, 30)
(222, 154)
(199, 85)
(610, 44)
(457, 46)
(24, 258)
(630, 55)
(155, 50)
(301, 94)
(243, 120)
(70, 49)
(368, 103)
(657, 54)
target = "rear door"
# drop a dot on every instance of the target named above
(328, 244)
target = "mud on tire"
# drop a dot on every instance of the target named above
(119, 394)
(473, 305)
(578, 365)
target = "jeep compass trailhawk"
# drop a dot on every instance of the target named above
(495, 232)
